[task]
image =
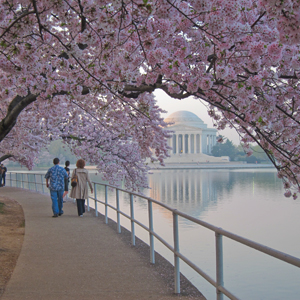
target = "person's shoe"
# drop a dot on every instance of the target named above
(81, 216)
(55, 216)
(60, 214)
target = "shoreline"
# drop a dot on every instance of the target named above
(213, 166)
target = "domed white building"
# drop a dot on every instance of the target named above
(192, 141)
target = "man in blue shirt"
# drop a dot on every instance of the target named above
(57, 176)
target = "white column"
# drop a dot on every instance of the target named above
(174, 144)
(186, 143)
(177, 183)
(200, 142)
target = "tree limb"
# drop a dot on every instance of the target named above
(258, 19)
(14, 109)
(4, 157)
(15, 21)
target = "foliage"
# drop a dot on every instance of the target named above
(258, 155)
(58, 149)
(84, 71)
(224, 149)
(55, 149)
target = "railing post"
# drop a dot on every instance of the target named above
(22, 181)
(106, 210)
(35, 183)
(176, 250)
(28, 181)
(88, 204)
(219, 264)
(10, 179)
(132, 220)
(151, 237)
(42, 182)
(118, 211)
(96, 203)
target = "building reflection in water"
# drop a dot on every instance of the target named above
(188, 190)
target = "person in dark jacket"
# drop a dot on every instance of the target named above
(4, 170)
(67, 180)
(1, 171)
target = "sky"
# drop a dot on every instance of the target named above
(195, 106)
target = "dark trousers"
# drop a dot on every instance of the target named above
(80, 206)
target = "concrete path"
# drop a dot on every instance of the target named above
(79, 258)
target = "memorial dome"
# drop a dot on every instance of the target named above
(191, 140)
(185, 117)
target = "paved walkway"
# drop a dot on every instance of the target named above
(79, 258)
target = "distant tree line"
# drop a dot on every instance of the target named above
(226, 148)
(236, 153)
(55, 149)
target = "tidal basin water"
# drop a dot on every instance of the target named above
(246, 202)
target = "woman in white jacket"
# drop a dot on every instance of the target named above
(80, 191)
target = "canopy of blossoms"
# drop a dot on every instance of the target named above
(84, 71)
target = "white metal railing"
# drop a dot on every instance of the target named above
(39, 184)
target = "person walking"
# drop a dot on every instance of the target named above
(1, 171)
(67, 180)
(80, 191)
(4, 170)
(57, 176)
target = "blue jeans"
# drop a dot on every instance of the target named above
(57, 201)
(80, 206)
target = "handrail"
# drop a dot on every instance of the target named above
(219, 233)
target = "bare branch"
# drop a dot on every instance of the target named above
(16, 20)
(258, 19)
(38, 18)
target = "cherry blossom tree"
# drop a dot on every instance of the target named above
(85, 71)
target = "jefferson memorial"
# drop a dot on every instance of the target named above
(192, 141)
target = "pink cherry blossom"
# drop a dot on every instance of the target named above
(85, 73)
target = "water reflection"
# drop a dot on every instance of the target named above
(246, 202)
(189, 188)
(197, 191)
